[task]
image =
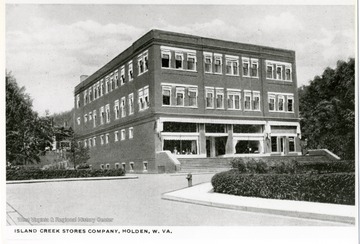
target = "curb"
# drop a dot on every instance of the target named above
(72, 179)
(209, 198)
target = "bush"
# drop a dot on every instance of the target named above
(34, 174)
(336, 188)
(239, 164)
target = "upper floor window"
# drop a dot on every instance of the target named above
(130, 71)
(165, 59)
(254, 67)
(166, 95)
(90, 94)
(122, 75)
(116, 77)
(78, 120)
(85, 97)
(131, 132)
(102, 87)
(218, 63)
(94, 118)
(123, 107)
(90, 116)
(234, 98)
(281, 103)
(122, 134)
(208, 62)
(219, 98)
(143, 95)
(94, 141)
(180, 94)
(107, 110)
(245, 66)
(112, 82)
(102, 115)
(131, 103)
(232, 65)
(256, 101)
(191, 61)
(78, 101)
(179, 60)
(107, 85)
(143, 65)
(269, 70)
(288, 72)
(209, 97)
(271, 102)
(247, 100)
(116, 109)
(290, 104)
(116, 136)
(192, 96)
(102, 139)
(279, 72)
(107, 138)
(85, 118)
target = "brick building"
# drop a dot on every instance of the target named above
(171, 96)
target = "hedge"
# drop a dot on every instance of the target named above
(336, 188)
(279, 167)
(33, 174)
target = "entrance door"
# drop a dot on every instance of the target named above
(220, 145)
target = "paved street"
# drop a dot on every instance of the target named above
(129, 202)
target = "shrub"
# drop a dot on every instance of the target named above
(239, 164)
(336, 188)
(32, 174)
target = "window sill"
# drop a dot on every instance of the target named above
(188, 70)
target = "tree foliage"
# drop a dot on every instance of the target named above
(27, 134)
(79, 154)
(327, 110)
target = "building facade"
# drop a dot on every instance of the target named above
(192, 96)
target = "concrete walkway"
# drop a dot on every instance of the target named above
(203, 194)
(71, 179)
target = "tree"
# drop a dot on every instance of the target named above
(327, 110)
(79, 154)
(27, 134)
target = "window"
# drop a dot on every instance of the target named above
(191, 61)
(94, 91)
(232, 65)
(90, 94)
(208, 62)
(269, 70)
(209, 98)
(143, 63)
(145, 164)
(107, 88)
(290, 104)
(116, 136)
(166, 95)
(102, 115)
(117, 166)
(256, 101)
(122, 75)
(281, 102)
(254, 67)
(218, 63)
(131, 166)
(271, 103)
(107, 166)
(90, 142)
(85, 143)
(131, 132)
(234, 100)
(179, 57)
(102, 166)
(291, 144)
(85, 118)
(112, 82)
(102, 139)
(123, 165)
(90, 116)
(247, 100)
(192, 96)
(78, 100)
(116, 77)
(116, 109)
(94, 118)
(102, 88)
(165, 59)
(288, 72)
(85, 97)
(94, 141)
(123, 108)
(245, 64)
(130, 71)
(279, 75)
(107, 110)
(180, 93)
(219, 98)
(98, 89)
(131, 103)
(122, 134)
(78, 120)
(107, 138)
(143, 95)
(274, 144)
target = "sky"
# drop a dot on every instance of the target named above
(49, 46)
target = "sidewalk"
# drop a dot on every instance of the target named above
(72, 179)
(203, 194)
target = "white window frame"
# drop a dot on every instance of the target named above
(219, 91)
(90, 116)
(166, 88)
(142, 58)
(234, 93)
(101, 139)
(122, 75)
(256, 94)
(117, 165)
(254, 61)
(107, 166)
(287, 102)
(85, 118)
(218, 57)
(131, 164)
(102, 166)
(85, 97)
(245, 60)
(102, 118)
(191, 55)
(94, 118)
(288, 67)
(131, 132)
(107, 85)
(272, 97)
(78, 101)
(78, 121)
(122, 134)
(116, 78)
(269, 64)
(193, 89)
(143, 93)
(107, 137)
(181, 55)
(145, 166)
(281, 74)
(107, 113)
(209, 56)
(283, 103)
(131, 103)
(166, 52)
(247, 94)
(231, 60)
(112, 81)
(130, 71)
(94, 141)
(123, 107)
(89, 94)
(116, 136)
(180, 90)
(117, 109)
(102, 87)
(209, 90)
(85, 143)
